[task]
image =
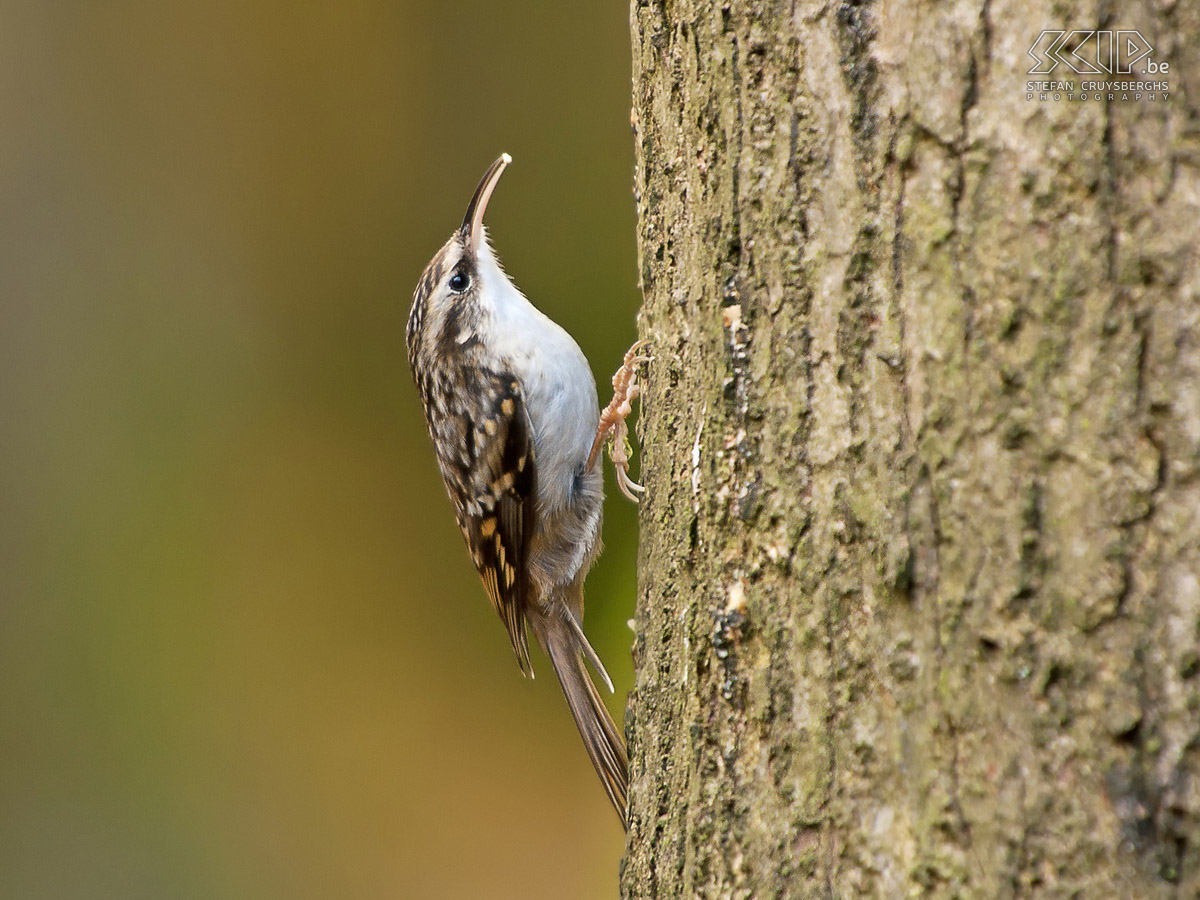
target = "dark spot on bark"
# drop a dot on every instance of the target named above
(859, 72)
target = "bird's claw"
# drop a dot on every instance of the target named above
(612, 425)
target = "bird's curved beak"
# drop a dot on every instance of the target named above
(472, 226)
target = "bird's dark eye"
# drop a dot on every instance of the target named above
(459, 282)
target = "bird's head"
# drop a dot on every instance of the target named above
(464, 273)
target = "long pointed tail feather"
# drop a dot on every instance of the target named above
(604, 742)
(591, 655)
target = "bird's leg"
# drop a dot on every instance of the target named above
(612, 421)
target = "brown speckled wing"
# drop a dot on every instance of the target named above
(490, 481)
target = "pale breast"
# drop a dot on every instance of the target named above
(556, 379)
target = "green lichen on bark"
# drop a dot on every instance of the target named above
(919, 611)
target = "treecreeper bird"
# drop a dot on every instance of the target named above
(511, 406)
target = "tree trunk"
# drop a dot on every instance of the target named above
(919, 611)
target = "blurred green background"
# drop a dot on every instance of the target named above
(242, 650)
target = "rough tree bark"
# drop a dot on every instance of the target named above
(919, 611)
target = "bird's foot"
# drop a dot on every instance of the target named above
(613, 427)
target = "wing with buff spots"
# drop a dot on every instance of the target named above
(490, 481)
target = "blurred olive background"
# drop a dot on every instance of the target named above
(243, 653)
